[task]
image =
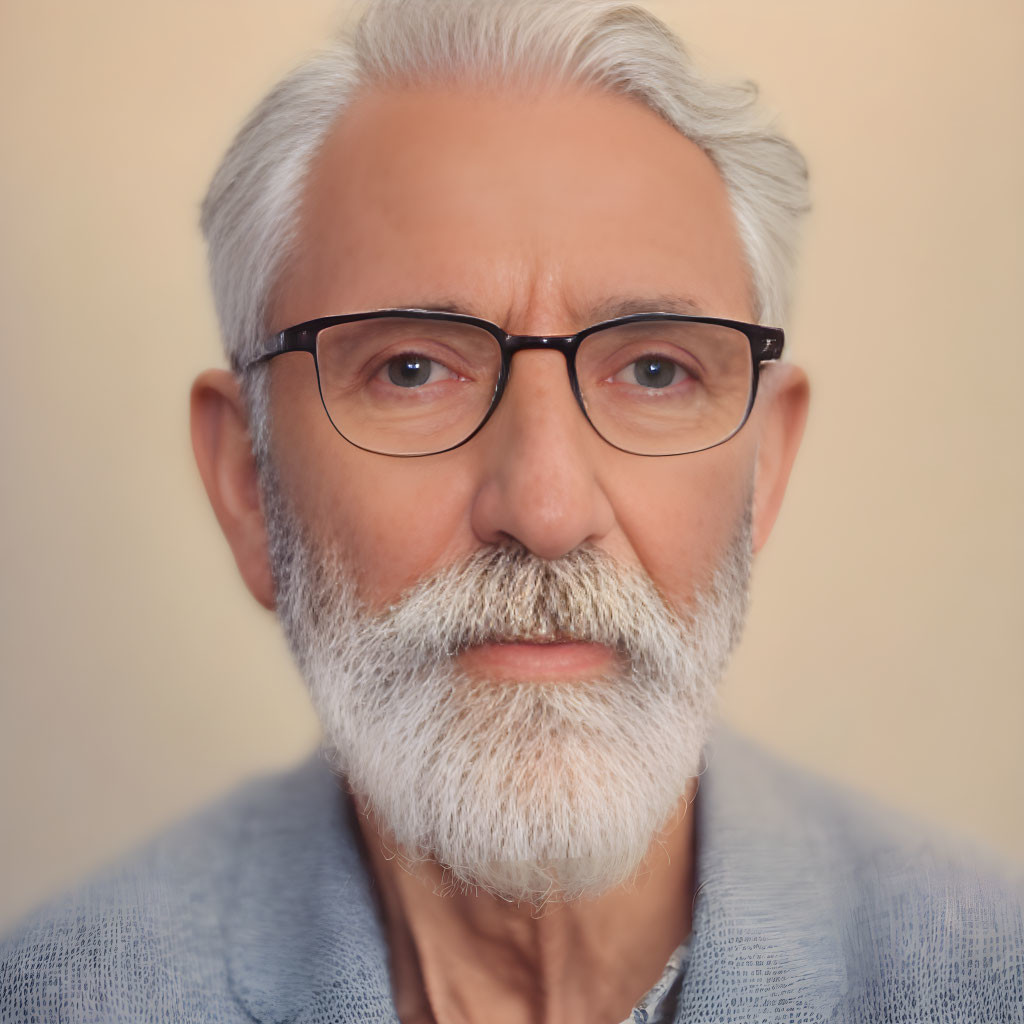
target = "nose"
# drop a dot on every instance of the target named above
(540, 483)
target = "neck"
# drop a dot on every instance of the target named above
(461, 957)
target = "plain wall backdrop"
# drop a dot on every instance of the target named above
(137, 677)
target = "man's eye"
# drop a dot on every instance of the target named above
(652, 371)
(412, 370)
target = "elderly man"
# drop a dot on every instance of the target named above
(504, 427)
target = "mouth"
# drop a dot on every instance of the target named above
(538, 658)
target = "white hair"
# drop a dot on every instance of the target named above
(249, 213)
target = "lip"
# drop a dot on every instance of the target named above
(540, 660)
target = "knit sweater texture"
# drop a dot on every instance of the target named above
(811, 905)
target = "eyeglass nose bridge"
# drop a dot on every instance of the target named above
(564, 343)
(567, 344)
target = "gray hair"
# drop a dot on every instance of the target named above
(249, 213)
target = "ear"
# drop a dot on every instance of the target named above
(223, 449)
(783, 396)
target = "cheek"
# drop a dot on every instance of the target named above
(679, 516)
(391, 520)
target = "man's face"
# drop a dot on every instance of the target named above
(543, 213)
(513, 646)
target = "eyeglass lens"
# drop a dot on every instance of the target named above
(415, 387)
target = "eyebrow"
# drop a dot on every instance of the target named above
(607, 309)
(626, 305)
(442, 306)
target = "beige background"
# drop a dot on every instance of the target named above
(138, 679)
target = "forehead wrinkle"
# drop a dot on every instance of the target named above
(516, 299)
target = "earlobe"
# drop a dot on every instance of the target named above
(783, 398)
(223, 449)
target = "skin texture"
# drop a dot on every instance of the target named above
(544, 212)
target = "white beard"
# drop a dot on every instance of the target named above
(532, 791)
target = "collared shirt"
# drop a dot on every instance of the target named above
(660, 1003)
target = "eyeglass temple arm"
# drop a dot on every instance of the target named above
(769, 345)
(294, 339)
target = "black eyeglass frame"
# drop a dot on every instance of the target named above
(766, 344)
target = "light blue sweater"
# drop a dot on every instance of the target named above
(811, 906)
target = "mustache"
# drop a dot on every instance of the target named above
(503, 594)
(500, 593)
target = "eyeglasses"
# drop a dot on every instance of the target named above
(413, 382)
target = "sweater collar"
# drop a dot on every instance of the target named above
(302, 933)
(305, 943)
(766, 941)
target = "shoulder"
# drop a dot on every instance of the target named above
(144, 940)
(915, 923)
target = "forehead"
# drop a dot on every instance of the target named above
(553, 203)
